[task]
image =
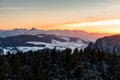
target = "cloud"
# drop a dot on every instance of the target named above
(13, 8)
(104, 4)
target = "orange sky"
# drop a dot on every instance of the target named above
(95, 25)
(101, 16)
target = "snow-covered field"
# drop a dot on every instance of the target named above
(61, 45)
(54, 44)
(41, 41)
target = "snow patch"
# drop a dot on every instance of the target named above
(64, 38)
(25, 49)
(61, 45)
(41, 36)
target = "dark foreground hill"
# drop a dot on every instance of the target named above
(109, 44)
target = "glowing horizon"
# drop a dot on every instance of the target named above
(88, 26)
(101, 16)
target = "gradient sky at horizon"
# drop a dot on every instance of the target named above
(56, 14)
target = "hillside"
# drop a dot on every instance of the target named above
(108, 44)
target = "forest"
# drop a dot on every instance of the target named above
(84, 64)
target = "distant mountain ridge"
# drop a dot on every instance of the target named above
(69, 33)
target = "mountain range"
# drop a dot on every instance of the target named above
(69, 33)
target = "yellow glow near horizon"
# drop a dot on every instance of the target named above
(101, 26)
(96, 23)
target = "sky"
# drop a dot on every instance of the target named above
(101, 16)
